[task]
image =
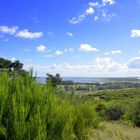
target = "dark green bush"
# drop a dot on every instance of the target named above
(114, 112)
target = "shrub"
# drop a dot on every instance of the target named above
(29, 110)
(101, 107)
(134, 114)
(114, 112)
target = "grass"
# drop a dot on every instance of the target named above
(116, 131)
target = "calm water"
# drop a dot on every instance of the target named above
(91, 80)
(74, 79)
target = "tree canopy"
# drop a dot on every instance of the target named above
(7, 65)
(55, 80)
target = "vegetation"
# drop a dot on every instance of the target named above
(9, 66)
(32, 111)
(55, 80)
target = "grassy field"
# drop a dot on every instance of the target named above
(116, 131)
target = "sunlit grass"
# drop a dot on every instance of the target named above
(116, 131)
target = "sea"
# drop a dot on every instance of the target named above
(91, 79)
(75, 80)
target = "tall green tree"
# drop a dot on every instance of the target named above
(55, 80)
(16, 66)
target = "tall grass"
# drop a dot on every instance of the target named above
(29, 110)
(116, 131)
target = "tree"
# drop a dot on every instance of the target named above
(17, 66)
(55, 80)
(10, 66)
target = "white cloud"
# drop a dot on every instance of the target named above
(96, 18)
(80, 18)
(94, 4)
(29, 35)
(76, 20)
(113, 52)
(101, 67)
(70, 34)
(58, 52)
(41, 48)
(107, 16)
(90, 11)
(110, 2)
(134, 63)
(135, 33)
(87, 48)
(116, 52)
(96, 8)
(68, 49)
(9, 30)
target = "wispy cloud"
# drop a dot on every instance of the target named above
(70, 34)
(8, 29)
(29, 35)
(68, 49)
(110, 2)
(113, 52)
(78, 19)
(97, 9)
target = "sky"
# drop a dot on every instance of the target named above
(79, 38)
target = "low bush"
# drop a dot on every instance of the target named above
(115, 112)
(134, 114)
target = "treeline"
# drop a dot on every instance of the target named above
(117, 85)
(9, 66)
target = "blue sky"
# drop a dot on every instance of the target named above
(98, 38)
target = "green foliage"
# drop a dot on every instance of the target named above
(101, 107)
(55, 80)
(29, 110)
(115, 112)
(9, 65)
(134, 114)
